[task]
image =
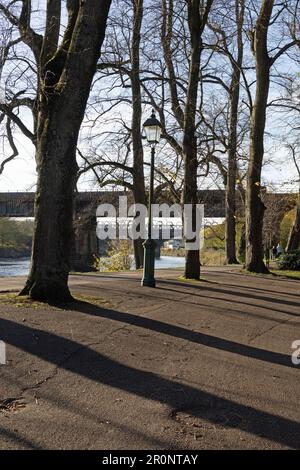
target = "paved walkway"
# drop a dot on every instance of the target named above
(186, 365)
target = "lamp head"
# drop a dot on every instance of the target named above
(152, 129)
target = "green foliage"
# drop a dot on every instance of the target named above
(16, 235)
(285, 227)
(214, 237)
(242, 248)
(289, 261)
(119, 257)
(289, 274)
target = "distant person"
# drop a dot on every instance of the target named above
(274, 252)
(279, 250)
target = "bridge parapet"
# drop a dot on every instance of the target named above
(17, 204)
(22, 204)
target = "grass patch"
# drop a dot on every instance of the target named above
(195, 281)
(275, 273)
(288, 274)
(14, 300)
(99, 273)
(244, 271)
(98, 302)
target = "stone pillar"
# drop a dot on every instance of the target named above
(85, 244)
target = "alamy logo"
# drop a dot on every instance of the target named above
(167, 221)
(2, 353)
(296, 353)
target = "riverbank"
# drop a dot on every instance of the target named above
(20, 266)
(208, 256)
(9, 252)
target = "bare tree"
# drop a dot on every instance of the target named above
(120, 65)
(230, 45)
(198, 12)
(264, 61)
(233, 137)
(11, 100)
(65, 73)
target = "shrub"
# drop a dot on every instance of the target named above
(289, 261)
(118, 258)
(214, 236)
(285, 227)
(242, 248)
(212, 257)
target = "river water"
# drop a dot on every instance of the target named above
(20, 267)
(14, 266)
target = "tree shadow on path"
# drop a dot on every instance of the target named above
(234, 292)
(81, 359)
(186, 334)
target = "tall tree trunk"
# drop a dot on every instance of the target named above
(190, 196)
(197, 19)
(230, 204)
(139, 193)
(65, 85)
(254, 206)
(139, 198)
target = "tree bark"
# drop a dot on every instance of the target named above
(254, 206)
(230, 203)
(190, 196)
(61, 106)
(139, 193)
(196, 22)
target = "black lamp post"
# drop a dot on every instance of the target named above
(152, 129)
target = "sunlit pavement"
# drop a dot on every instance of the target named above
(185, 365)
